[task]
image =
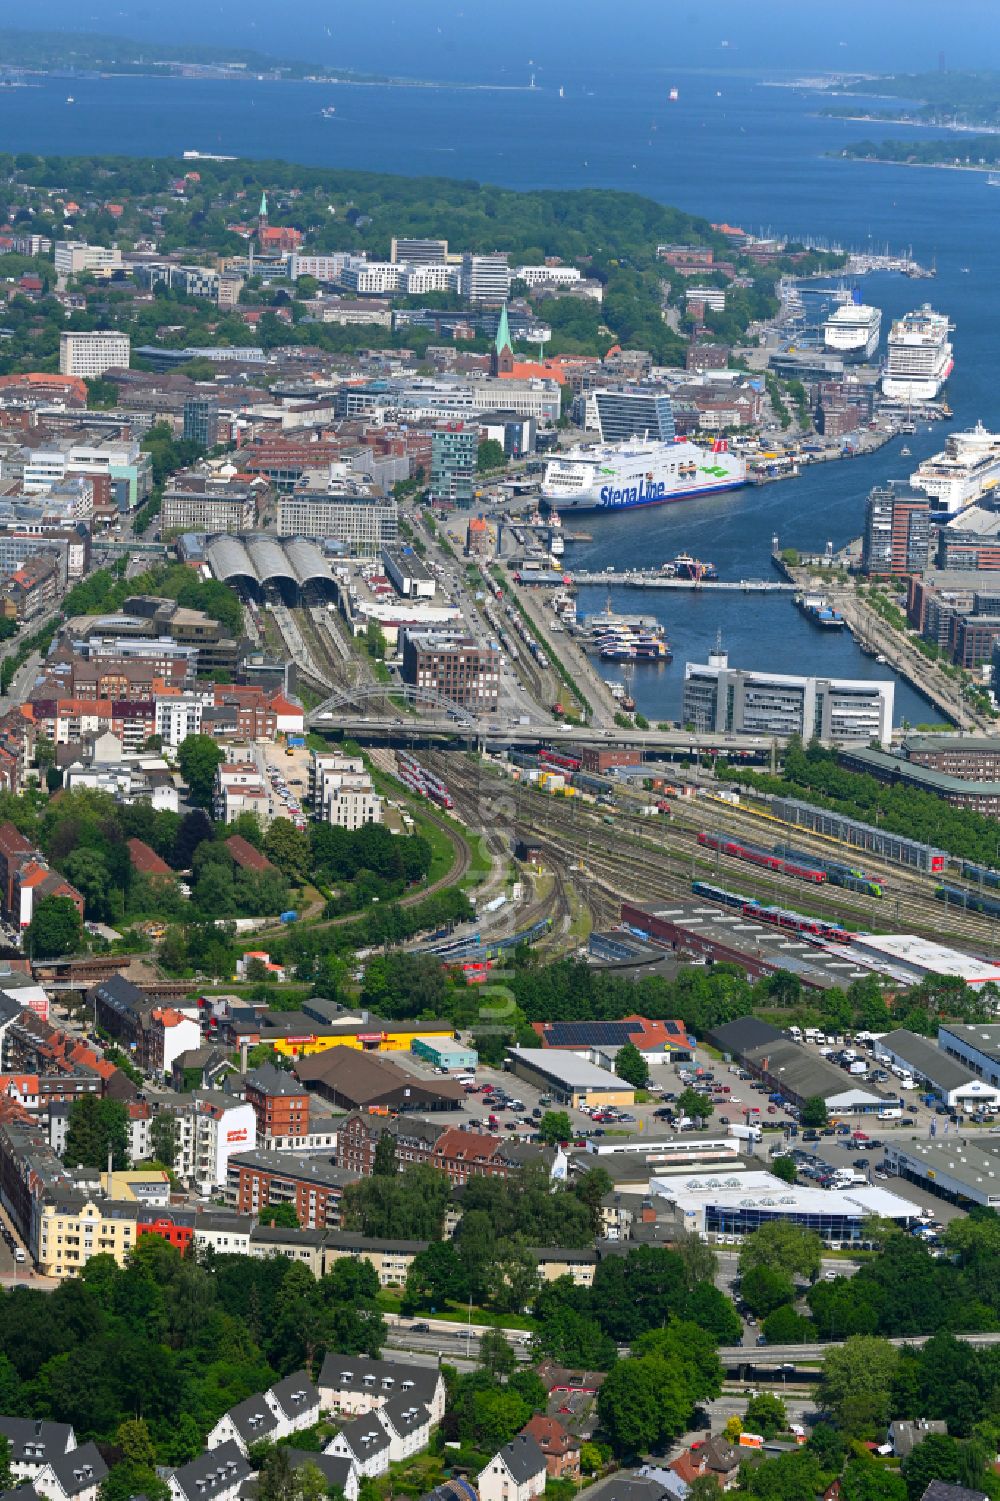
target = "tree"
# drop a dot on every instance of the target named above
(765, 1415)
(696, 1106)
(436, 1276)
(198, 757)
(496, 1355)
(384, 1165)
(765, 1288)
(88, 870)
(555, 1126)
(857, 1383)
(195, 827)
(490, 456)
(631, 1066)
(700, 1261)
(814, 1112)
(937, 1457)
(782, 1247)
(642, 1404)
(55, 928)
(132, 1438)
(864, 1480)
(282, 1216)
(163, 1137)
(786, 1327)
(785, 1169)
(288, 848)
(96, 1127)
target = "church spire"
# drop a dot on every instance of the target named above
(502, 358)
(262, 214)
(503, 333)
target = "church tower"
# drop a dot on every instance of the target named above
(502, 357)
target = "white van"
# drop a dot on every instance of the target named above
(795, 1033)
(813, 1034)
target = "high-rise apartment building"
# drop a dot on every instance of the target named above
(897, 530)
(201, 421)
(454, 455)
(486, 278)
(90, 354)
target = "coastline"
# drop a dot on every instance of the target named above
(908, 120)
(338, 80)
(891, 161)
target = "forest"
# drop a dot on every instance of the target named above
(970, 96)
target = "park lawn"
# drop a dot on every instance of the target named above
(390, 1300)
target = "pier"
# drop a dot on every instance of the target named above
(638, 580)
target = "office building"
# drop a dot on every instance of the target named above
(325, 268)
(365, 523)
(199, 503)
(456, 667)
(634, 413)
(370, 278)
(90, 354)
(417, 281)
(454, 455)
(201, 421)
(897, 530)
(733, 700)
(486, 278)
(709, 297)
(418, 252)
(75, 256)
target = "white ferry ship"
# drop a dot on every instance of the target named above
(618, 476)
(920, 356)
(853, 331)
(967, 470)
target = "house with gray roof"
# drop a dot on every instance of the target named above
(408, 1424)
(247, 1423)
(517, 1473)
(75, 1476)
(295, 1401)
(34, 1442)
(356, 1384)
(338, 1472)
(216, 1475)
(365, 1443)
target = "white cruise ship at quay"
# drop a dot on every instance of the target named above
(618, 476)
(966, 471)
(920, 356)
(853, 331)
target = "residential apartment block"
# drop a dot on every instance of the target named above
(90, 354)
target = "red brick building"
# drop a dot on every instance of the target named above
(461, 1154)
(174, 1226)
(281, 1105)
(313, 1187)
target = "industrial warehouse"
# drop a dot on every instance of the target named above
(953, 1082)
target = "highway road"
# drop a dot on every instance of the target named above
(738, 1356)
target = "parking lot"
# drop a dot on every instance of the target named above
(286, 775)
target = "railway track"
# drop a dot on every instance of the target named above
(628, 864)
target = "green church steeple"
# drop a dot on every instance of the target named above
(503, 333)
(263, 206)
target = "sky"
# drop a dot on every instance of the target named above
(484, 40)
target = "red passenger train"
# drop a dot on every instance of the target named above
(766, 858)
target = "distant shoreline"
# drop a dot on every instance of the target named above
(339, 80)
(892, 161)
(977, 130)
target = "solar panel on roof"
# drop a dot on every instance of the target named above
(587, 1034)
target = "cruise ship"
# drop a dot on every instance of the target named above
(920, 356)
(618, 476)
(853, 331)
(966, 471)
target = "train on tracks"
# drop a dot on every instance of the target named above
(778, 917)
(421, 781)
(850, 877)
(738, 849)
(969, 901)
